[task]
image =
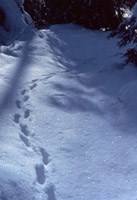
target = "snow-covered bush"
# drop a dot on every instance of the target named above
(12, 20)
(127, 34)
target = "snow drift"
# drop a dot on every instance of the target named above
(13, 20)
(63, 134)
(128, 95)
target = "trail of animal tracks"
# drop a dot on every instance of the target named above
(66, 132)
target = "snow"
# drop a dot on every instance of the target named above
(67, 127)
(134, 14)
(135, 10)
(15, 22)
(128, 94)
(67, 117)
(19, 2)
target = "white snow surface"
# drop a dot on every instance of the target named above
(68, 129)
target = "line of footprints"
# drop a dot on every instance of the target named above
(25, 136)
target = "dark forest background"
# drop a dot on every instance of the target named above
(92, 14)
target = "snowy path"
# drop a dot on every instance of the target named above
(65, 134)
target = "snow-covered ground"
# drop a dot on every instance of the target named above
(68, 115)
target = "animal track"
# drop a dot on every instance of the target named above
(24, 129)
(23, 92)
(26, 98)
(45, 156)
(17, 118)
(25, 135)
(34, 80)
(18, 104)
(50, 191)
(27, 113)
(25, 140)
(40, 172)
(33, 86)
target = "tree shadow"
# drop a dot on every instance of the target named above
(19, 72)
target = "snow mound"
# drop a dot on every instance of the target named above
(19, 2)
(135, 10)
(13, 21)
(128, 95)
